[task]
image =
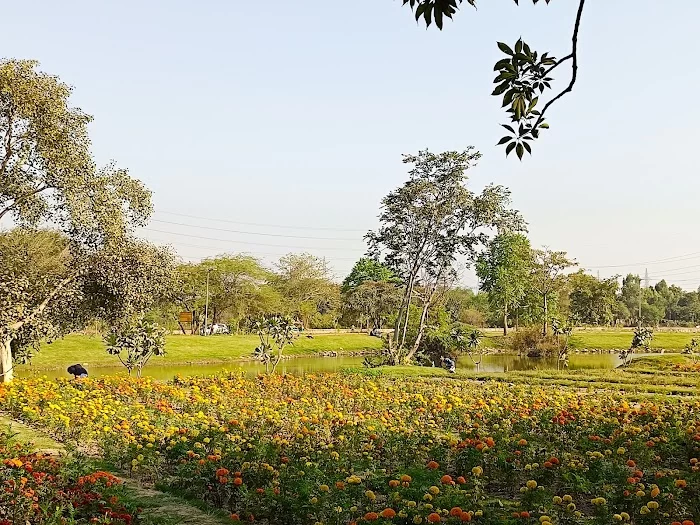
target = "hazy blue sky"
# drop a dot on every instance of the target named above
(297, 113)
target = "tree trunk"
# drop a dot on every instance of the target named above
(544, 321)
(6, 371)
(505, 319)
(421, 326)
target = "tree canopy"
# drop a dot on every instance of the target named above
(427, 223)
(367, 269)
(504, 271)
(89, 266)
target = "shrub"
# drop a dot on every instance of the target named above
(530, 341)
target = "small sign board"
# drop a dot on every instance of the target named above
(185, 317)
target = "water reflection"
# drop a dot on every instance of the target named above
(490, 363)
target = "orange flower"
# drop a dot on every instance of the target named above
(447, 480)
(681, 483)
(371, 516)
(339, 485)
(522, 442)
(394, 483)
(655, 492)
(406, 478)
(455, 511)
(524, 514)
(434, 517)
(465, 516)
(631, 463)
(687, 522)
(238, 482)
(461, 480)
(221, 472)
(432, 465)
(235, 517)
(388, 513)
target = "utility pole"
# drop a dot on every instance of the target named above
(639, 317)
(206, 303)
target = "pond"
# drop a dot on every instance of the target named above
(302, 365)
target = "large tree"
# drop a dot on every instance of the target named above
(238, 288)
(372, 302)
(548, 278)
(426, 224)
(367, 269)
(523, 74)
(50, 283)
(592, 300)
(504, 271)
(306, 284)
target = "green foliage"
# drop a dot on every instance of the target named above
(469, 341)
(548, 279)
(368, 269)
(560, 329)
(691, 350)
(427, 223)
(372, 302)
(275, 333)
(504, 271)
(530, 341)
(523, 75)
(640, 340)
(46, 170)
(134, 344)
(464, 306)
(592, 301)
(306, 286)
(94, 269)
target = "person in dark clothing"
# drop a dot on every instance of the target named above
(77, 371)
(449, 364)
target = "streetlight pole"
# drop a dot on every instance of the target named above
(206, 304)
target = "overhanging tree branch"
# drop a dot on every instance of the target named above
(42, 306)
(574, 64)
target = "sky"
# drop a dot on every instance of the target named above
(277, 126)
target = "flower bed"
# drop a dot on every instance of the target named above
(342, 449)
(42, 489)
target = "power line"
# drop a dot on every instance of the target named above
(246, 242)
(254, 233)
(319, 228)
(214, 248)
(678, 258)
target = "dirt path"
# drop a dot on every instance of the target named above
(159, 508)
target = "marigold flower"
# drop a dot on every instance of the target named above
(371, 516)
(432, 465)
(434, 517)
(388, 513)
(455, 511)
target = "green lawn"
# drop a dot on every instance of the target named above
(609, 340)
(192, 349)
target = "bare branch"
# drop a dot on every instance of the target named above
(40, 309)
(19, 200)
(574, 65)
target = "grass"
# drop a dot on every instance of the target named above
(649, 376)
(186, 349)
(607, 340)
